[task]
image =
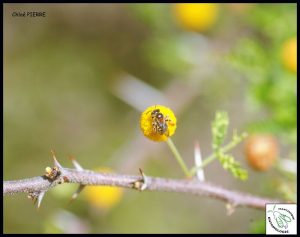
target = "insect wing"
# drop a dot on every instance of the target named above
(286, 218)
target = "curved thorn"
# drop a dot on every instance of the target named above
(75, 163)
(56, 163)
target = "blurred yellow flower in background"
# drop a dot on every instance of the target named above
(103, 197)
(150, 124)
(289, 54)
(196, 16)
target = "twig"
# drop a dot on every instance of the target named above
(178, 157)
(214, 156)
(41, 184)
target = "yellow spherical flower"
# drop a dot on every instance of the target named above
(196, 16)
(103, 197)
(289, 54)
(158, 123)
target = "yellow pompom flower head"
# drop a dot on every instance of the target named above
(158, 123)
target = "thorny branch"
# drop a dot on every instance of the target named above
(36, 187)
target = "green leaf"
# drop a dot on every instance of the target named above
(232, 166)
(219, 129)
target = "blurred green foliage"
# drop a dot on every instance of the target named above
(271, 86)
(219, 129)
(258, 227)
(219, 132)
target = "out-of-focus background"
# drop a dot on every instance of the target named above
(76, 81)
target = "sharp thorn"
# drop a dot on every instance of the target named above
(144, 180)
(75, 163)
(198, 161)
(142, 173)
(40, 198)
(75, 195)
(56, 163)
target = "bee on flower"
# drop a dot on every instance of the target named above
(158, 123)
